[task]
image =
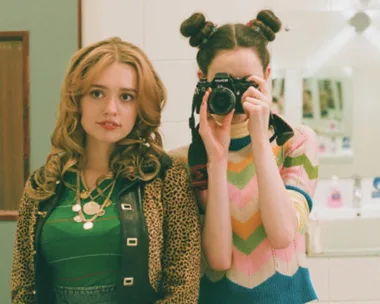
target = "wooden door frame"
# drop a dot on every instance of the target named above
(79, 26)
(24, 37)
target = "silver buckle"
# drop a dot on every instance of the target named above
(126, 207)
(132, 242)
(128, 281)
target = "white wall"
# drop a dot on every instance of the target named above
(315, 26)
(346, 280)
(154, 26)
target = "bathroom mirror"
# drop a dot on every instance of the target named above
(327, 100)
(330, 61)
(278, 92)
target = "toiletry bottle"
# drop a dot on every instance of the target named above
(376, 187)
(334, 199)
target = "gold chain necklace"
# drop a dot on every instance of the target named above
(90, 208)
(87, 191)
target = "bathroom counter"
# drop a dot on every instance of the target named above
(344, 232)
(347, 254)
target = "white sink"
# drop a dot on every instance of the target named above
(369, 211)
(344, 231)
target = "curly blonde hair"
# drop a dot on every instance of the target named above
(136, 156)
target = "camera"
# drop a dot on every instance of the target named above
(225, 96)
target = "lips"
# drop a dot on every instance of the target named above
(109, 124)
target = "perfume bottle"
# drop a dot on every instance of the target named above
(334, 199)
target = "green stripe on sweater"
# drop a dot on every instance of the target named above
(247, 246)
(242, 179)
(302, 160)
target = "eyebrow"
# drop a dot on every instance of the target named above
(104, 87)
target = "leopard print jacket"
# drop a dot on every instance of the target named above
(172, 219)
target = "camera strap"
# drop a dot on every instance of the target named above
(282, 130)
(192, 121)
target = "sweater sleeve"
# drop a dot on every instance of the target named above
(22, 276)
(182, 247)
(300, 171)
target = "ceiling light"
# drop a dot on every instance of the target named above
(360, 21)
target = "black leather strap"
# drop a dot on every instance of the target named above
(44, 288)
(135, 285)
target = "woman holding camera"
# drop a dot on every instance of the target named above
(256, 193)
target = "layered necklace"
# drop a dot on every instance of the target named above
(91, 208)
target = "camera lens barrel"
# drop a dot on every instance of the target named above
(221, 101)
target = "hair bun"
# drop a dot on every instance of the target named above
(197, 28)
(268, 23)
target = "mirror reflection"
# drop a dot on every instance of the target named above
(325, 97)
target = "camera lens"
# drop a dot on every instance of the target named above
(222, 101)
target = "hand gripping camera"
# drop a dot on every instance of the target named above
(225, 96)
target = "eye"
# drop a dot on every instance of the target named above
(96, 94)
(126, 97)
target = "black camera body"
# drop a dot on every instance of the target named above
(225, 96)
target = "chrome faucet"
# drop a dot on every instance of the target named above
(357, 192)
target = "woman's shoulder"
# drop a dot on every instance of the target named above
(179, 154)
(303, 132)
(304, 136)
(178, 165)
(31, 182)
(170, 165)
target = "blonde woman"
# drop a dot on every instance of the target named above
(109, 218)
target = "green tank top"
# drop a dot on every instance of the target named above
(79, 257)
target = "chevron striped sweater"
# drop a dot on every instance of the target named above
(260, 274)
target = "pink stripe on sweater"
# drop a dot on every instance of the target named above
(297, 176)
(242, 197)
(250, 264)
(287, 254)
(296, 144)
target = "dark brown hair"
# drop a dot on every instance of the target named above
(211, 40)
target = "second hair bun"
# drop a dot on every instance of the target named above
(196, 28)
(268, 23)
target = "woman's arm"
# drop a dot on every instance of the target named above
(182, 248)
(277, 209)
(217, 227)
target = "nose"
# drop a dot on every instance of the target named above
(111, 107)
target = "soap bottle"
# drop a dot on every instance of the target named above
(334, 199)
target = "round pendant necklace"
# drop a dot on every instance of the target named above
(92, 207)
